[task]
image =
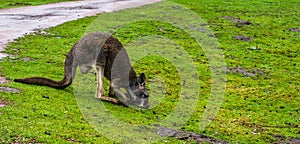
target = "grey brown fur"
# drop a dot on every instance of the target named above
(107, 56)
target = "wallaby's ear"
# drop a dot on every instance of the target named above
(142, 78)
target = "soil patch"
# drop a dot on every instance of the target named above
(3, 103)
(285, 140)
(245, 71)
(184, 135)
(3, 80)
(239, 21)
(21, 139)
(8, 89)
(27, 59)
(294, 29)
(243, 38)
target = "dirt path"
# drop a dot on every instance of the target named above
(16, 22)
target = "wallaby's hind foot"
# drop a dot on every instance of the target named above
(111, 100)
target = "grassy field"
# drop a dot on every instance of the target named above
(260, 43)
(20, 3)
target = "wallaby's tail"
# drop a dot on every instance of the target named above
(70, 69)
(46, 82)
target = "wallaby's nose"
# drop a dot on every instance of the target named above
(144, 107)
(143, 103)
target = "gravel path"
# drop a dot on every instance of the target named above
(17, 22)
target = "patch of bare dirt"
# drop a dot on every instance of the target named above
(8, 89)
(27, 140)
(3, 80)
(3, 103)
(245, 71)
(284, 140)
(239, 21)
(294, 29)
(243, 38)
(184, 135)
(27, 59)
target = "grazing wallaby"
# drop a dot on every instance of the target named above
(106, 55)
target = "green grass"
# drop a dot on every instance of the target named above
(20, 3)
(254, 109)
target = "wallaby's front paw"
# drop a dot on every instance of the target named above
(128, 102)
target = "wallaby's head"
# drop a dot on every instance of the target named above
(141, 92)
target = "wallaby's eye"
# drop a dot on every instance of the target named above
(137, 83)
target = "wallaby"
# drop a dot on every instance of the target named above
(107, 56)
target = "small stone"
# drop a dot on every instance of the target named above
(47, 133)
(46, 97)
